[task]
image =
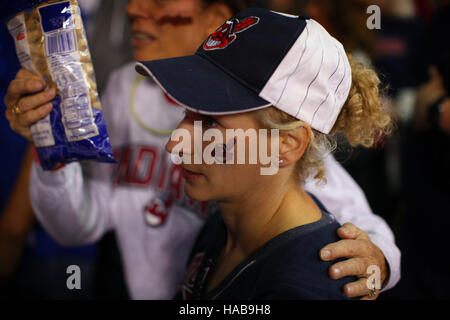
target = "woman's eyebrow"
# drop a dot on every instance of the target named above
(189, 114)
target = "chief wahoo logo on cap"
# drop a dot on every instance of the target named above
(226, 34)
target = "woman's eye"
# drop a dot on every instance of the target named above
(210, 122)
(207, 121)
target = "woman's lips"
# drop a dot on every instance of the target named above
(189, 175)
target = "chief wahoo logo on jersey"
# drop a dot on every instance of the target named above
(157, 210)
(226, 34)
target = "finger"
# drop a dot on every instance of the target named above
(39, 99)
(20, 87)
(30, 117)
(8, 114)
(350, 231)
(352, 267)
(358, 289)
(24, 74)
(346, 249)
(371, 298)
(23, 131)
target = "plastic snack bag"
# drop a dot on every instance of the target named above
(51, 41)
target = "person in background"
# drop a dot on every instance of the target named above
(107, 26)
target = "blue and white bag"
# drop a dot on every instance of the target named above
(50, 41)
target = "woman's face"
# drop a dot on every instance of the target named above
(167, 28)
(204, 182)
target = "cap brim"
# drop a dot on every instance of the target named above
(200, 86)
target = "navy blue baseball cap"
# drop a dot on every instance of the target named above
(260, 58)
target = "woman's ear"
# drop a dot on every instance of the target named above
(293, 144)
(215, 15)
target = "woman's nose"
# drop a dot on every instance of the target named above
(181, 138)
(134, 8)
(141, 9)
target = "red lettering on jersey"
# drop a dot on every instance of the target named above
(144, 166)
(136, 165)
(138, 168)
(162, 174)
(117, 153)
(122, 169)
(176, 182)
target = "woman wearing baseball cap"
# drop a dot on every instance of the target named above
(266, 70)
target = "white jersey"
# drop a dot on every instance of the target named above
(142, 198)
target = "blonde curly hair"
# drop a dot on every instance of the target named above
(362, 121)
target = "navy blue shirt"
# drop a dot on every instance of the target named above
(287, 267)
